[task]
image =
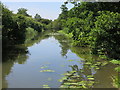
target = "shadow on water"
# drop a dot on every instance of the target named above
(17, 54)
(93, 72)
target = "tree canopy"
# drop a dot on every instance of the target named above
(22, 11)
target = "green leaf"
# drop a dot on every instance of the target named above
(47, 71)
(115, 62)
(91, 78)
(70, 60)
(45, 85)
(117, 69)
(104, 63)
(88, 63)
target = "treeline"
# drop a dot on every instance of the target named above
(92, 24)
(21, 27)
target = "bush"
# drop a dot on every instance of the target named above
(106, 33)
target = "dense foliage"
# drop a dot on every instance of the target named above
(92, 24)
(96, 25)
(21, 27)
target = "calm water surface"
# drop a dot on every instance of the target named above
(52, 52)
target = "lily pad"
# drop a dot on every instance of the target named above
(72, 71)
(97, 68)
(117, 69)
(104, 63)
(91, 78)
(46, 86)
(62, 79)
(115, 62)
(47, 71)
(70, 60)
(98, 63)
(67, 74)
(88, 63)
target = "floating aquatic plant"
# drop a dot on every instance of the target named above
(47, 71)
(70, 60)
(115, 62)
(46, 86)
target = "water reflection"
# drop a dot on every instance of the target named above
(77, 79)
(23, 65)
(10, 57)
(96, 73)
(64, 44)
(85, 78)
(17, 54)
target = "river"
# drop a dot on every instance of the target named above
(49, 62)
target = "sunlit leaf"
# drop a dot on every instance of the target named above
(47, 71)
(117, 69)
(104, 63)
(97, 68)
(115, 62)
(70, 60)
(88, 63)
(91, 78)
(45, 85)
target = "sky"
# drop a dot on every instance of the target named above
(47, 10)
(33, 0)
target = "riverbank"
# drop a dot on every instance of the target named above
(102, 57)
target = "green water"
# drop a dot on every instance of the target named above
(50, 61)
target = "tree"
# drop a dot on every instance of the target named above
(45, 21)
(37, 17)
(7, 26)
(64, 9)
(22, 11)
